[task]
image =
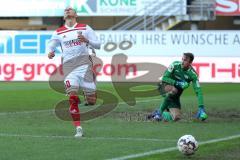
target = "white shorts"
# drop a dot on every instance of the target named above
(80, 77)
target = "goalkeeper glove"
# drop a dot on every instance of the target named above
(201, 114)
(181, 84)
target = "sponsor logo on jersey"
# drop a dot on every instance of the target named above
(71, 43)
(170, 68)
(186, 76)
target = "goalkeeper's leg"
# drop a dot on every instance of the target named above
(168, 92)
(175, 113)
(157, 114)
(175, 107)
(169, 111)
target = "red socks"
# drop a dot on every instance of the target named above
(74, 111)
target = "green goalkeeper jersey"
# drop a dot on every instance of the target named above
(175, 73)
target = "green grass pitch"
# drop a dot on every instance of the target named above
(29, 128)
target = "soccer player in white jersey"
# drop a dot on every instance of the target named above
(74, 39)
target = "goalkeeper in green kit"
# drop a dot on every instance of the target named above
(175, 80)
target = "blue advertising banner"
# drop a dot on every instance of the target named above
(147, 43)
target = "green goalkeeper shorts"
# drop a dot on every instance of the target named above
(174, 102)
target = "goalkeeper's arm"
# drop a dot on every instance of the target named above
(180, 84)
(201, 114)
(198, 91)
(166, 78)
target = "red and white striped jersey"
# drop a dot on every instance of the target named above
(67, 38)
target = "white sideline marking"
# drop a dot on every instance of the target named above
(90, 138)
(26, 112)
(172, 148)
(52, 110)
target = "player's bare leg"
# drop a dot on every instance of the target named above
(171, 90)
(175, 113)
(90, 98)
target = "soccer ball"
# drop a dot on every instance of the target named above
(187, 145)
